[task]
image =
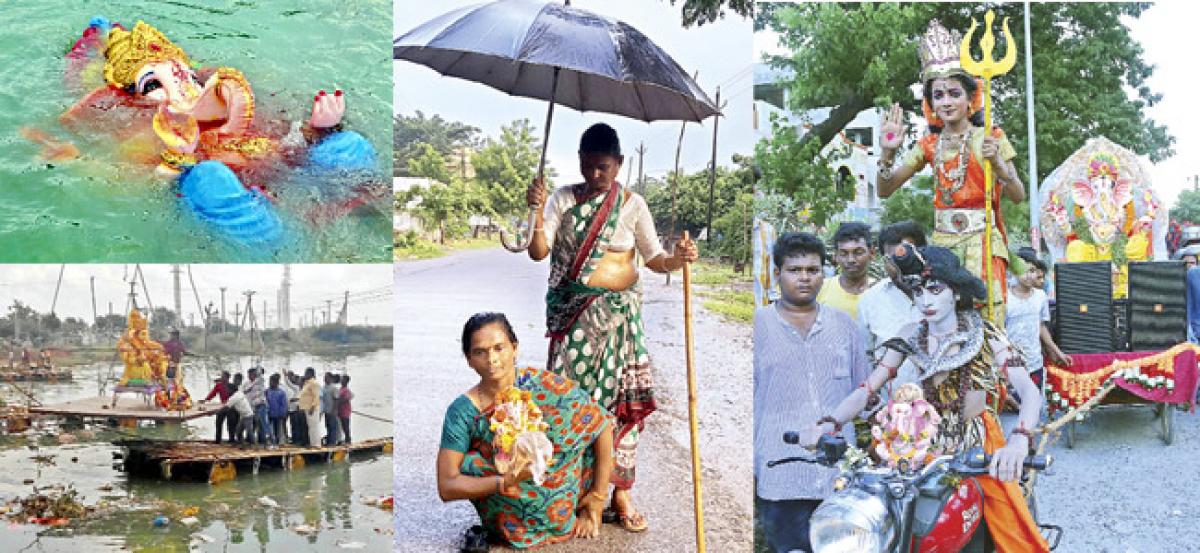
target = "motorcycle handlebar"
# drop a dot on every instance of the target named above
(830, 448)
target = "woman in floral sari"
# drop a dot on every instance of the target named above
(594, 306)
(514, 509)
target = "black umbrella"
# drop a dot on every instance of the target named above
(558, 53)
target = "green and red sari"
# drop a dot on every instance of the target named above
(596, 334)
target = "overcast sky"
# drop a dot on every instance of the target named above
(311, 286)
(1161, 30)
(721, 52)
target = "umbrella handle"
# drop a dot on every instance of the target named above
(541, 175)
(510, 243)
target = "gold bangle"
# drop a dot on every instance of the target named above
(598, 495)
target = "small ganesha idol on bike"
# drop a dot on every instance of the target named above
(939, 456)
(202, 127)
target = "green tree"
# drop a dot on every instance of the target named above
(114, 322)
(797, 168)
(505, 166)
(428, 163)
(445, 206)
(733, 228)
(913, 202)
(162, 320)
(691, 197)
(699, 12)
(408, 132)
(1187, 206)
(1089, 74)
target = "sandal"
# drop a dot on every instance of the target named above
(633, 523)
(475, 540)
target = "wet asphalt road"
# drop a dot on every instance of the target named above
(1121, 489)
(435, 297)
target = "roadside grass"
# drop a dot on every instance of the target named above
(735, 305)
(410, 250)
(711, 273)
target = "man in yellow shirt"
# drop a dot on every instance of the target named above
(852, 255)
(310, 404)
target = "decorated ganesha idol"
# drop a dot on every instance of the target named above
(201, 127)
(1099, 206)
(145, 359)
(907, 426)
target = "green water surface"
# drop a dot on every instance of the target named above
(105, 207)
(328, 498)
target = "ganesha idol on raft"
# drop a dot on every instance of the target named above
(199, 126)
(1099, 206)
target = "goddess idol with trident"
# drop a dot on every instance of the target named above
(969, 156)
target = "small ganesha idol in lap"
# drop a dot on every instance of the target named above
(906, 429)
(200, 127)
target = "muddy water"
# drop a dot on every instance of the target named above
(321, 505)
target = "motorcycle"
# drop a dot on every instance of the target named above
(936, 509)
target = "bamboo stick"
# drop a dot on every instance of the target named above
(697, 488)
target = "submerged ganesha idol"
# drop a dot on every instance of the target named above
(199, 126)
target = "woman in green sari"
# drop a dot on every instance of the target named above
(513, 509)
(591, 232)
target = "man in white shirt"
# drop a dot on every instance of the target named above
(885, 307)
(1027, 312)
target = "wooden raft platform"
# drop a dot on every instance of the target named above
(128, 410)
(206, 461)
(35, 375)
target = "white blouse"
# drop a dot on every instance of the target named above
(634, 224)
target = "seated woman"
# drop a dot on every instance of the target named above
(963, 362)
(512, 508)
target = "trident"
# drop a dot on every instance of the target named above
(985, 69)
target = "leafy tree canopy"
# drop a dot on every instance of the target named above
(1088, 74)
(409, 132)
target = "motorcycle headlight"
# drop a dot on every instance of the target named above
(852, 521)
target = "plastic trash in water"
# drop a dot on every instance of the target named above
(268, 502)
(161, 521)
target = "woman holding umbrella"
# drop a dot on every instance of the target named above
(593, 306)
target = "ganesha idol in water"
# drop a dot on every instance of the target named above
(1099, 206)
(199, 126)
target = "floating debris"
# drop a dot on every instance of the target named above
(351, 545)
(189, 521)
(304, 529)
(53, 506)
(268, 502)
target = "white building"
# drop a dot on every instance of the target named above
(854, 150)
(402, 218)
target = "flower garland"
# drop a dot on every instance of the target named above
(1068, 389)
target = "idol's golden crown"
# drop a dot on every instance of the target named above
(136, 321)
(129, 51)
